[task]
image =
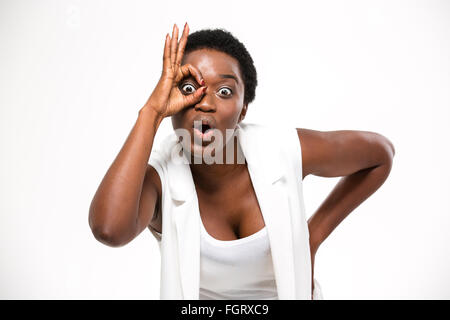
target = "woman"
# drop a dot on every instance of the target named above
(234, 218)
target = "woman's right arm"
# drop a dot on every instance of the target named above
(114, 215)
(125, 201)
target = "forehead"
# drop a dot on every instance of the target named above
(211, 63)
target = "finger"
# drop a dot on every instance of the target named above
(174, 45)
(182, 45)
(188, 70)
(166, 57)
(194, 97)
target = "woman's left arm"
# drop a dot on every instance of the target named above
(364, 160)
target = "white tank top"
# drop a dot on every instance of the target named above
(236, 269)
(239, 269)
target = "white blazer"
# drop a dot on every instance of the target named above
(274, 161)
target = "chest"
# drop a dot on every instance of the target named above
(231, 212)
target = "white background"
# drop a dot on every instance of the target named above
(74, 74)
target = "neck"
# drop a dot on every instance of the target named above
(212, 177)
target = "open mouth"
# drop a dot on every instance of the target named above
(205, 127)
(202, 126)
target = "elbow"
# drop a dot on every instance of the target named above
(389, 155)
(388, 148)
(391, 148)
(107, 237)
(390, 152)
(108, 227)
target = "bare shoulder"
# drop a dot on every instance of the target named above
(342, 152)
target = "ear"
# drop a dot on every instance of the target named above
(243, 113)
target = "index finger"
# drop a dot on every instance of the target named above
(182, 45)
(189, 70)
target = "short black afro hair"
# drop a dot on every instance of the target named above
(224, 41)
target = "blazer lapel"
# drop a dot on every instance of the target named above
(186, 219)
(268, 178)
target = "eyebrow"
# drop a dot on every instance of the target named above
(229, 76)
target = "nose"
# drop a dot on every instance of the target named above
(205, 104)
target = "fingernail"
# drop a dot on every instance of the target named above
(202, 82)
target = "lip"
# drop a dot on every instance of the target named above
(205, 138)
(204, 120)
(209, 120)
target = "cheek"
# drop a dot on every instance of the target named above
(177, 120)
(231, 114)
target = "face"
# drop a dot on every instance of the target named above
(221, 107)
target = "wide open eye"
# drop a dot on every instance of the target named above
(187, 88)
(225, 91)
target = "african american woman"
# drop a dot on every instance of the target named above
(224, 198)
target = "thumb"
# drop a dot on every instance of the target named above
(194, 97)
